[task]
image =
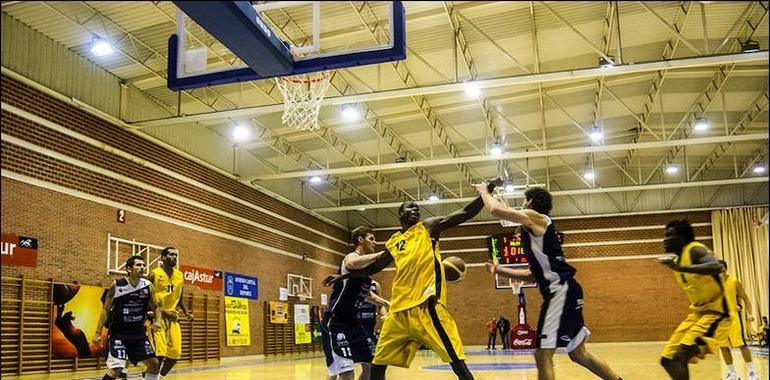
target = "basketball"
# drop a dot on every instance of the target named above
(454, 269)
(63, 293)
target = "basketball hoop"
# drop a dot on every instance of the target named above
(516, 285)
(302, 95)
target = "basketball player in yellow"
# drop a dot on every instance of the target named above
(168, 281)
(700, 276)
(737, 302)
(418, 315)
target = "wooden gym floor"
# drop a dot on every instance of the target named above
(633, 361)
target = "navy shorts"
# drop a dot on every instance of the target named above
(344, 344)
(561, 318)
(134, 348)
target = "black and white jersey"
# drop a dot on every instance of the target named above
(348, 296)
(366, 312)
(129, 307)
(546, 259)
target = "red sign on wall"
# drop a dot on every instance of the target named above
(19, 250)
(203, 278)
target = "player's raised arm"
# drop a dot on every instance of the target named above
(381, 262)
(437, 225)
(528, 218)
(514, 274)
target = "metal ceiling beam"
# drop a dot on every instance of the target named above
(704, 101)
(660, 76)
(484, 83)
(517, 155)
(577, 32)
(672, 28)
(758, 106)
(371, 119)
(278, 144)
(562, 193)
(369, 19)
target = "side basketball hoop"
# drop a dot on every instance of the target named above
(302, 96)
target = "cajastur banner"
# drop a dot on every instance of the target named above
(203, 278)
(19, 250)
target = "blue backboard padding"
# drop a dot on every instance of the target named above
(234, 24)
(395, 53)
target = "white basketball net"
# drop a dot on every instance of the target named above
(302, 95)
(515, 285)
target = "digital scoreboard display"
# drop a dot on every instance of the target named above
(507, 250)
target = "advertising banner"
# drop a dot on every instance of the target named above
(279, 312)
(203, 278)
(237, 321)
(239, 285)
(75, 311)
(19, 250)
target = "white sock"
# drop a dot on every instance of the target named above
(751, 366)
(731, 368)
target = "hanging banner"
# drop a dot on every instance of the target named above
(237, 321)
(203, 278)
(302, 333)
(279, 312)
(19, 250)
(238, 285)
(75, 314)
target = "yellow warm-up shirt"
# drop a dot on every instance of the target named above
(419, 271)
(168, 290)
(705, 292)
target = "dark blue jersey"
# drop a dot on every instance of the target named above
(546, 259)
(129, 307)
(347, 296)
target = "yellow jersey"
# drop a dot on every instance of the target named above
(419, 271)
(705, 292)
(168, 290)
(731, 294)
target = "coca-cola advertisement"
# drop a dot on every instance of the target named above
(522, 335)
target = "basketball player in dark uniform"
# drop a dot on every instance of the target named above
(127, 303)
(561, 316)
(345, 339)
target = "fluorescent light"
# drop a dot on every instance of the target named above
(589, 174)
(433, 197)
(472, 89)
(350, 113)
(672, 169)
(362, 209)
(241, 132)
(759, 169)
(701, 124)
(315, 179)
(509, 188)
(596, 134)
(496, 150)
(100, 47)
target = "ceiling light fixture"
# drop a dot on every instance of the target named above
(589, 175)
(495, 149)
(350, 113)
(760, 168)
(701, 124)
(433, 197)
(241, 132)
(596, 134)
(472, 89)
(315, 179)
(100, 47)
(672, 169)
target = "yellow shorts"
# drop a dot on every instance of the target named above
(703, 329)
(167, 341)
(735, 336)
(428, 324)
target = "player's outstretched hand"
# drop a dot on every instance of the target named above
(667, 260)
(332, 279)
(98, 337)
(491, 268)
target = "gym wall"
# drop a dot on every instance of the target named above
(63, 183)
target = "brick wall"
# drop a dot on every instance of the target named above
(625, 300)
(72, 231)
(72, 242)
